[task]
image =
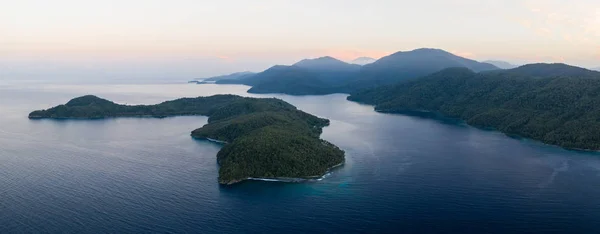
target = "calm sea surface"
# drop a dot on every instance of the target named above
(403, 174)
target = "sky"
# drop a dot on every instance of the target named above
(197, 38)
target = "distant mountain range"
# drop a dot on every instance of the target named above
(363, 60)
(596, 69)
(554, 103)
(501, 64)
(327, 75)
(233, 76)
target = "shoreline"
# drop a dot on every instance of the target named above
(216, 141)
(458, 121)
(36, 117)
(209, 139)
(437, 116)
(289, 179)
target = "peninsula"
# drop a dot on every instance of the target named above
(263, 137)
(556, 104)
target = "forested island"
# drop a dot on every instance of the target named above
(263, 138)
(553, 103)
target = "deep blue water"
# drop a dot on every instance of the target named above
(403, 174)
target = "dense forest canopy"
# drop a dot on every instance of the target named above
(264, 138)
(554, 103)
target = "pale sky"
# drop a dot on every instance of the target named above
(200, 38)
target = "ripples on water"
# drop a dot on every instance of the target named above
(403, 174)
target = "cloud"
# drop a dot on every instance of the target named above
(543, 31)
(574, 23)
(225, 58)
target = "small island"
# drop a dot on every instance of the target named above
(263, 138)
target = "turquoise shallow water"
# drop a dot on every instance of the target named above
(403, 174)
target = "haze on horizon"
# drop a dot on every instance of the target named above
(189, 38)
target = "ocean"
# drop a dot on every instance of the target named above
(403, 174)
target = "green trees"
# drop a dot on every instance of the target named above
(90, 106)
(265, 137)
(553, 103)
(277, 151)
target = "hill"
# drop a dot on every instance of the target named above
(264, 138)
(308, 77)
(411, 64)
(501, 64)
(233, 76)
(543, 101)
(545, 70)
(363, 60)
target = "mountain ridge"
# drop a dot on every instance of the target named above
(404, 65)
(326, 63)
(548, 70)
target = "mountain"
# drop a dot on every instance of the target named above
(327, 75)
(412, 64)
(596, 69)
(273, 74)
(501, 64)
(307, 77)
(262, 137)
(233, 76)
(553, 103)
(326, 64)
(363, 60)
(296, 80)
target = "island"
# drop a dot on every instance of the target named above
(263, 138)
